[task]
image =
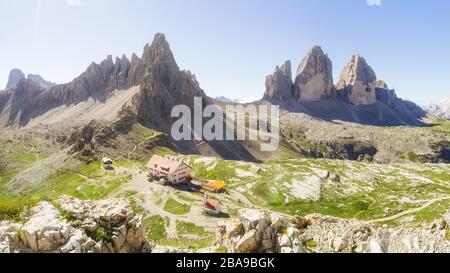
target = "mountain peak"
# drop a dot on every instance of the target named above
(158, 57)
(314, 76)
(358, 82)
(279, 85)
(160, 38)
(14, 78)
(317, 49)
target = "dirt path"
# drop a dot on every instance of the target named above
(153, 197)
(239, 196)
(410, 211)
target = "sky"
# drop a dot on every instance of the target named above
(231, 45)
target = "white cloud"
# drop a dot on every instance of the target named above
(374, 2)
(73, 2)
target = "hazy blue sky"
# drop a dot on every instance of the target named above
(231, 45)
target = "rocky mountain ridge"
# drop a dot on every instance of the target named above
(358, 96)
(161, 80)
(146, 88)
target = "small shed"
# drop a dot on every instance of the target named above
(107, 163)
(212, 207)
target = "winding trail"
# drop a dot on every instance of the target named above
(410, 211)
(153, 196)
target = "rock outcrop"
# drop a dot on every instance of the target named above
(331, 234)
(259, 232)
(314, 79)
(86, 139)
(358, 82)
(97, 138)
(279, 85)
(107, 226)
(14, 77)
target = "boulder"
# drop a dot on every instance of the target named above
(9, 237)
(278, 223)
(77, 243)
(255, 231)
(250, 218)
(45, 231)
(284, 241)
(301, 222)
(286, 250)
(248, 243)
(116, 216)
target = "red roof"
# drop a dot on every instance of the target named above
(212, 204)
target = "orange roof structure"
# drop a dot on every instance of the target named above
(217, 185)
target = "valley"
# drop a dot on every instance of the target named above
(353, 159)
(34, 168)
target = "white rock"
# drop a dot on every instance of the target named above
(251, 218)
(284, 241)
(286, 250)
(248, 243)
(45, 231)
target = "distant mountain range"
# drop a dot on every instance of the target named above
(357, 97)
(441, 109)
(16, 75)
(239, 101)
(143, 90)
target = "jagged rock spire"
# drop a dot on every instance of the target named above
(158, 56)
(279, 85)
(358, 82)
(314, 79)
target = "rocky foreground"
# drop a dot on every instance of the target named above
(262, 232)
(74, 226)
(70, 225)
